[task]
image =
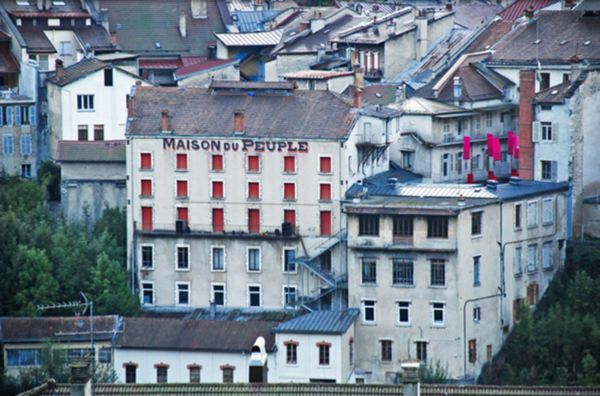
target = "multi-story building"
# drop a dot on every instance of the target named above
(234, 192)
(18, 122)
(441, 271)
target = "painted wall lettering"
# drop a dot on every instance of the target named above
(228, 145)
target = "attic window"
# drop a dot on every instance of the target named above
(157, 44)
(587, 42)
(563, 42)
(554, 92)
(536, 42)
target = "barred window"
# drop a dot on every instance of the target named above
(368, 225)
(438, 272)
(369, 271)
(403, 225)
(437, 227)
(403, 272)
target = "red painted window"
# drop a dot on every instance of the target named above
(253, 163)
(182, 214)
(253, 221)
(325, 222)
(146, 161)
(325, 165)
(146, 218)
(289, 216)
(146, 187)
(253, 190)
(182, 162)
(182, 188)
(218, 220)
(289, 164)
(325, 192)
(289, 191)
(217, 189)
(217, 162)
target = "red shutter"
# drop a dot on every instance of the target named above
(217, 162)
(325, 222)
(146, 218)
(146, 187)
(325, 165)
(217, 219)
(289, 216)
(289, 191)
(182, 188)
(181, 161)
(253, 221)
(289, 164)
(146, 161)
(182, 214)
(217, 189)
(253, 163)
(253, 190)
(325, 192)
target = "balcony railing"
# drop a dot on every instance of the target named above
(216, 230)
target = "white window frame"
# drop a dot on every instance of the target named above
(433, 310)
(477, 270)
(189, 291)
(85, 103)
(547, 132)
(151, 161)
(283, 294)
(398, 322)
(477, 314)
(212, 248)
(247, 163)
(153, 289)
(210, 164)
(187, 162)
(295, 164)
(364, 311)
(248, 191)
(518, 260)
(260, 295)
(532, 259)
(532, 215)
(5, 151)
(248, 248)
(212, 293)
(548, 220)
(151, 187)
(142, 246)
(519, 204)
(330, 192)
(286, 248)
(189, 257)
(187, 195)
(26, 143)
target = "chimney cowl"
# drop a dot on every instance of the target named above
(357, 102)
(492, 184)
(515, 180)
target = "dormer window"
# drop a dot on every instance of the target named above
(587, 42)
(157, 44)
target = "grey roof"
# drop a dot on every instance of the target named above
(253, 21)
(96, 36)
(381, 180)
(379, 111)
(56, 329)
(97, 151)
(320, 322)
(527, 188)
(78, 70)
(554, 94)
(417, 105)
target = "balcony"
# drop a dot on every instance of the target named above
(402, 243)
(195, 230)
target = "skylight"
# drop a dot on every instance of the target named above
(563, 42)
(22, 2)
(536, 42)
(588, 42)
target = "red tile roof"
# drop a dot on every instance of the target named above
(167, 63)
(518, 8)
(209, 64)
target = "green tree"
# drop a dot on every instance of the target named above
(109, 289)
(35, 282)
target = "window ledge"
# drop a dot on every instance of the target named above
(253, 272)
(369, 284)
(182, 269)
(289, 272)
(146, 196)
(147, 269)
(369, 323)
(532, 272)
(253, 199)
(403, 285)
(217, 171)
(476, 284)
(403, 325)
(217, 270)
(217, 198)
(182, 198)
(325, 201)
(519, 275)
(182, 170)
(548, 268)
(478, 236)
(146, 169)
(440, 326)
(438, 286)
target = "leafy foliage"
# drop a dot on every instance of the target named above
(433, 373)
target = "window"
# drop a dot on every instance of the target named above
(324, 164)
(488, 353)
(518, 209)
(369, 271)
(289, 260)
(82, 132)
(437, 313)
(253, 254)
(289, 191)
(26, 171)
(218, 294)
(369, 314)
(476, 219)
(437, 227)
(489, 117)
(218, 220)
(65, 48)
(325, 261)
(446, 125)
(324, 353)
(325, 192)
(548, 169)
(291, 353)
(42, 61)
(105, 355)
(546, 131)
(227, 374)
(547, 255)
(421, 350)
(518, 261)
(477, 271)
(351, 353)
(472, 351)
(98, 132)
(147, 256)
(183, 215)
(289, 164)
(85, 102)
(161, 374)
(146, 218)
(289, 295)
(182, 188)
(531, 258)
(254, 296)
(183, 257)
(368, 225)
(183, 293)
(325, 222)
(108, 77)
(253, 221)
(217, 189)
(23, 357)
(404, 313)
(148, 293)
(386, 350)
(547, 211)
(403, 272)
(146, 161)
(533, 293)
(216, 163)
(194, 374)
(403, 226)
(544, 80)
(130, 370)
(146, 187)
(26, 144)
(253, 190)
(407, 159)
(438, 272)
(9, 115)
(181, 162)
(217, 258)
(253, 163)
(476, 314)
(289, 216)
(532, 214)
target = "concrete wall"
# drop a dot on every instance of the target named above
(557, 149)
(287, 63)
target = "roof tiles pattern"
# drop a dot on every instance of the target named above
(97, 151)
(38, 329)
(78, 70)
(518, 8)
(320, 322)
(266, 39)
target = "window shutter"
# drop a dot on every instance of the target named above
(18, 115)
(325, 218)
(217, 189)
(146, 187)
(289, 216)
(182, 214)
(9, 115)
(32, 115)
(182, 188)
(253, 221)
(536, 135)
(181, 161)
(325, 165)
(217, 162)
(146, 218)
(289, 164)
(325, 192)
(554, 171)
(145, 161)
(253, 190)
(555, 131)
(218, 220)
(289, 191)
(253, 163)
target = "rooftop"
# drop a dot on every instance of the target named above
(97, 151)
(78, 70)
(316, 74)
(258, 39)
(320, 322)
(56, 329)
(253, 21)
(423, 106)
(517, 9)
(209, 64)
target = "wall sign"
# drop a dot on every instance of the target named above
(236, 145)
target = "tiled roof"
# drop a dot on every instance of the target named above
(367, 8)
(253, 21)
(377, 94)
(379, 31)
(199, 112)
(518, 8)
(555, 94)
(320, 322)
(58, 329)
(95, 36)
(71, 8)
(417, 105)
(203, 66)
(97, 151)
(266, 39)
(78, 70)
(395, 173)
(36, 40)
(490, 36)
(316, 74)
(160, 63)
(197, 335)
(474, 14)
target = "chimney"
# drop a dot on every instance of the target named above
(357, 98)
(165, 121)
(457, 88)
(130, 111)
(60, 70)
(529, 12)
(303, 26)
(400, 93)
(239, 121)
(359, 77)
(80, 379)
(113, 38)
(410, 378)
(526, 94)
(449, 5)
(421, 22)
(182, 25)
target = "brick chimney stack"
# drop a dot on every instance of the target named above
(60, 70)
(357, 103)
(239, 121)
(165, 121)
(526, 94)
(130, 110)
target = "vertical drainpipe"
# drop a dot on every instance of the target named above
(502, 271)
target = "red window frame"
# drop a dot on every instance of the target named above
(147, 218)
(216, 162)
(145, 160)
(325, 192)
(325, 165)
(218, 219)
(325, 222)
(253, 164)
(181, 161)
(217, 189)
(183, 214)
(289, 216)
(289, 164)
(182, 188)
(146, 188)
(253, 190)
(289, 191)
(253, 221)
